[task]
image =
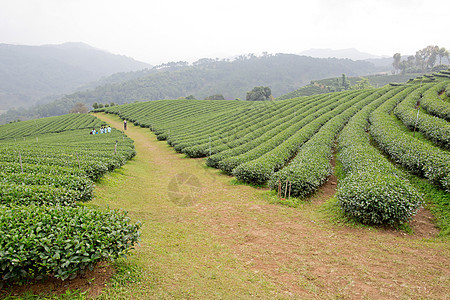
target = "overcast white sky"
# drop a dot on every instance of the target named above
(158, 31)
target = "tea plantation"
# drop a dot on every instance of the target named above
(372, 132)
(48, 166)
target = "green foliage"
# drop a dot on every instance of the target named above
(293, 139)
(364, 193)
(259, 169)
(259, 93)
(423, 60)
(421, 158)
(310, 168)
(434, 104)
(434, 128)
(331, 84)
(48, 125)
(48, 165)
(378, 198)
(60, 241)
(362, 84)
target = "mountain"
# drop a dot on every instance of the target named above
(350, 53)
(233, 79)
(29, 73)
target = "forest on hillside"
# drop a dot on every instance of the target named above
(205, 77)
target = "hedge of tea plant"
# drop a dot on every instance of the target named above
(419, 157)
(49, 165)
(373, 191)
(435, 104)
(434, 128)
(258, 141)
(61, 242)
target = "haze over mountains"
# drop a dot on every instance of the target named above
(350, 53)
(29, 73)
(55, 77)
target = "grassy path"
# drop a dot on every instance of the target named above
(228, 241)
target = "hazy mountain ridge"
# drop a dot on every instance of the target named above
(282, 72)
(350, 53)
(29, 73)
(233, 79)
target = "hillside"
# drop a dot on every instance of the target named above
(274, 142)
(233, 79)
(205, 235)
(29, 73)
(327, 85)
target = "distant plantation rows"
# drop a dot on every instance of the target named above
(48, 167)
(275, 142)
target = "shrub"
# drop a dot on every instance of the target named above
(376, 198)
(60, 242)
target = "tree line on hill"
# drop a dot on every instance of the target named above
(424, 60)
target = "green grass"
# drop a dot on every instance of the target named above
(437, 201)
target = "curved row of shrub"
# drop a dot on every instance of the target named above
(259, 170)
(434, 128)
(311, 166)
(373, 190)
(81, 187)
(434, 104)
(44, 231)
(419, 157)
(262, 140)
(212, 130)
(270, 119)
(19, 130)
(61, 242)
(226, 122)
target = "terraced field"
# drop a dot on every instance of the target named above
(290, 143)
(48, 167)
(231, 241)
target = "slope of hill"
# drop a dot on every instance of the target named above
(29, 73)
(324, 85)
(276, 142)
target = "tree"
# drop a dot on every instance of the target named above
(259, 93)
(403, 66)
(362, 84)
(95, 105)
(79, 108)
(345, 84)
(190, 97)
(420, 59)
(215, 97)
(442, 53)
(396, 63)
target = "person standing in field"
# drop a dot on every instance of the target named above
(125, 125)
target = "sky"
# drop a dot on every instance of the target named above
(159, 31)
